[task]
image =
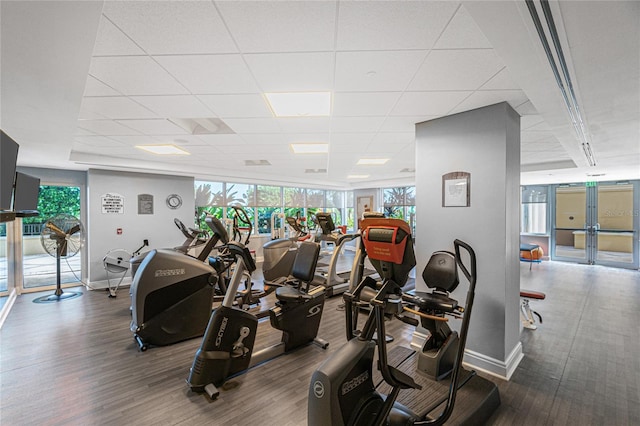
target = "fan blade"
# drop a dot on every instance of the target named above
(59, 232)
(74, 229)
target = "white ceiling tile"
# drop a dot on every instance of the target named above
(462, 33)
(106, 127)
(541, 126)
(305, 124)
(391, 25)
(527, 121)
(534, 137)
(210, 74)
(483, 98)
(358, 148)
(384, 71)
(83, 132)
(363, 104)
(132, 140)
(350, 138)
(428, 104)
(264, 139)
(253, 125)
(85, 114)
(115, 107)
(95, 87)
(393, 140)
(283, 26)
(356, 124)
(403, 124)
(527, 108)
(110, 41)
(292, 72)
(237, 106)
(465, 69)
(225, 139)
(135, 75)
(501, 81)
(168, 27)
(154, 127)
(175, 106)
(97, 141)
(307, 138)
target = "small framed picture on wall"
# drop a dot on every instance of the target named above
(456, 189)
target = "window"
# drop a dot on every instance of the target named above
(210, 199)
(262, 201)
(534, 210)
(269, 202)
(400, 203)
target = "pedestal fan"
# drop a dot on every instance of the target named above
(62, 237)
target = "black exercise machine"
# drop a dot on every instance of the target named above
(228, 345)
(342, 389)
(331, 279)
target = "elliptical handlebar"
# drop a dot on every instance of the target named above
(471, 276)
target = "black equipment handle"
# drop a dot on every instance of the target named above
(472, 255)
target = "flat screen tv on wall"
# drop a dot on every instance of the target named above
(25, 196)
(8, 158)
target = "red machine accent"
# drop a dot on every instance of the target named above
(384, 251)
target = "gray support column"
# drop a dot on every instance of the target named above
(484, 142)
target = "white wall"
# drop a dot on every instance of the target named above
(486, 143)
(158, 227)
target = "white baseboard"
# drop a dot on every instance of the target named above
(11, 299)
(501, 369)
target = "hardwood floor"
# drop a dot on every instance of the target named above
(75, 362)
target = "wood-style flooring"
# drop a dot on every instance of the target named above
(75, 362)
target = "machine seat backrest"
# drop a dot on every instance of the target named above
(303, 270)
(441, 272)
(389, 246)
(306, 260)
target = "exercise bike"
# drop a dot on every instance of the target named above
(228, 344)
(342, 389)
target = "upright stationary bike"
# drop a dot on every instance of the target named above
(228, 345)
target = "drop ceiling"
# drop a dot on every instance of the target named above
(83, 83)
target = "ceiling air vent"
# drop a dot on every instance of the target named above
(203, 126)
(408, 170)
(256, 163)
(315, 170)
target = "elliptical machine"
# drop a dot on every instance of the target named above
(172, 292)
(342, 390)
(228, 345)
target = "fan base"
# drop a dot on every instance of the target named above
(58, 298)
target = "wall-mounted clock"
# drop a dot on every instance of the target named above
(174, 201)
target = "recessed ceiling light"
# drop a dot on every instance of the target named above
(310, 148)
(408, 170)
(163, 149)
(357, 176)
(315, 170)
(309, 104)
(372, 161)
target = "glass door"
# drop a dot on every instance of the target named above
(614, 228)
(39, 266)
(568, 234)
(596, 223)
